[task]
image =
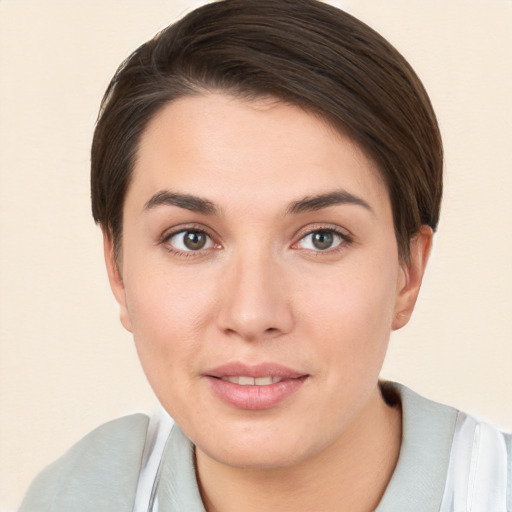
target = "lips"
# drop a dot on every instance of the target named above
(254, 387)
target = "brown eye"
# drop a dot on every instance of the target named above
(194, 240)
(190, 240)
(321, 240)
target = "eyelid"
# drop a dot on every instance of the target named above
(180, 245)
(344, 234)
(183, 228)
(192, 226)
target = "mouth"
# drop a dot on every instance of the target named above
(252, 381)
(255, 387)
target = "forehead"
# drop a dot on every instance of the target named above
(235, 149)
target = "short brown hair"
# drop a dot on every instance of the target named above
(303, 52)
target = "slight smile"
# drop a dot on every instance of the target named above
(254, 387)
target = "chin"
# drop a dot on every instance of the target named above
(269, 450)
(256, 458)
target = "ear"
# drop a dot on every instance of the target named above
(116, 280)
(412, 276)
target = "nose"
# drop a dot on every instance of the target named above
(255, 302)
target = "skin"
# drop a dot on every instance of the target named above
(261, 291)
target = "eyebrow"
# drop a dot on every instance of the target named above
(186, 201)
(320, 201)
(206, 207)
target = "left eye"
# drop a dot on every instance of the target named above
(190, 240)
(321, 240)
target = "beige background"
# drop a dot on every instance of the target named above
(65, 363)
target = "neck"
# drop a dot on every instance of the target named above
(350, 475)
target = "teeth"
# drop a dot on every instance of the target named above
(251, 381)
(263, 381)
(246, 381)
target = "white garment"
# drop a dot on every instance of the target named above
(159, 429)
(477, 472)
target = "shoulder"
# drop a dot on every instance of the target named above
(445, 455)
(98, 473)
(449, 423)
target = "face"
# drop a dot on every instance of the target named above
(259, 276)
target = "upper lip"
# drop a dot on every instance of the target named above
(254, 370)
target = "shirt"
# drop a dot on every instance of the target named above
(101, 472)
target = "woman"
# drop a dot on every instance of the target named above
(268, 177)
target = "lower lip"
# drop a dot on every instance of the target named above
(255, 398)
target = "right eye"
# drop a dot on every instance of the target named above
(190, 240)
(322, 240)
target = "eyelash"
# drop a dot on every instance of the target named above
(344, 241)
(166, 238)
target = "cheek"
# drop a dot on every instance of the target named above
(351, 311)
(167, 313)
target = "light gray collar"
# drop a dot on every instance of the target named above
(178, 490)
(420, 475)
